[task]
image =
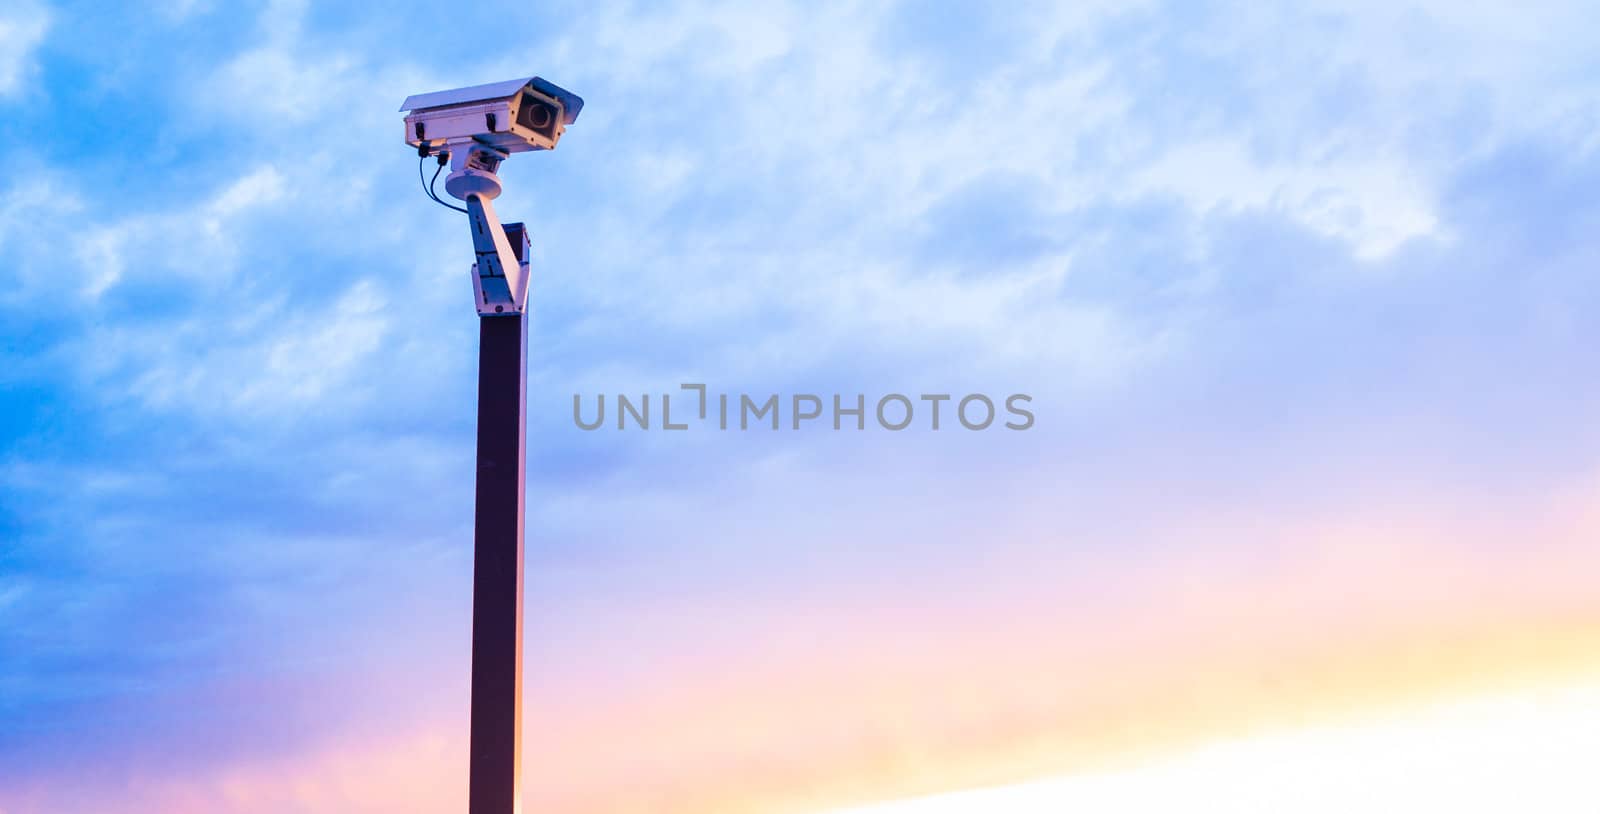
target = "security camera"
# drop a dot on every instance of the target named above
(514, 116)
(478, 127)
(473, 130)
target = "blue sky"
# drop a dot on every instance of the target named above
(1309, 260)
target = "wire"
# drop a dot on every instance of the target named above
(435, 180)
(427, 186)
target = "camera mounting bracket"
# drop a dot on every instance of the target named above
(472, 169)
(500, 277)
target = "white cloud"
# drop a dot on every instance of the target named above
(264, 185)
(35, 199)
(836, 136)
(282, 84)
(271, 362)
(1373, 203)
(181, 10)
(22, 28)
(193, 243)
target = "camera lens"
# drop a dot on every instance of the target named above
(537, 115)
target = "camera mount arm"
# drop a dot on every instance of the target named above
(500, 277)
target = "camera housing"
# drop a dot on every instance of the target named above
(473, 130)
(514, 116)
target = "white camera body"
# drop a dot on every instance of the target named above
(514, 116)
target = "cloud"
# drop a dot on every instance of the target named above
(1374, 206)
(22, 28)
(191, 244)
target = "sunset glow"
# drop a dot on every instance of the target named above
(1527, 750)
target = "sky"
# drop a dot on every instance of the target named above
(1303, 296)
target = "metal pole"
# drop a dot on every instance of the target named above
(496, 740)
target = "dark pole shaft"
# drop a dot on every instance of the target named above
(496, 763)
